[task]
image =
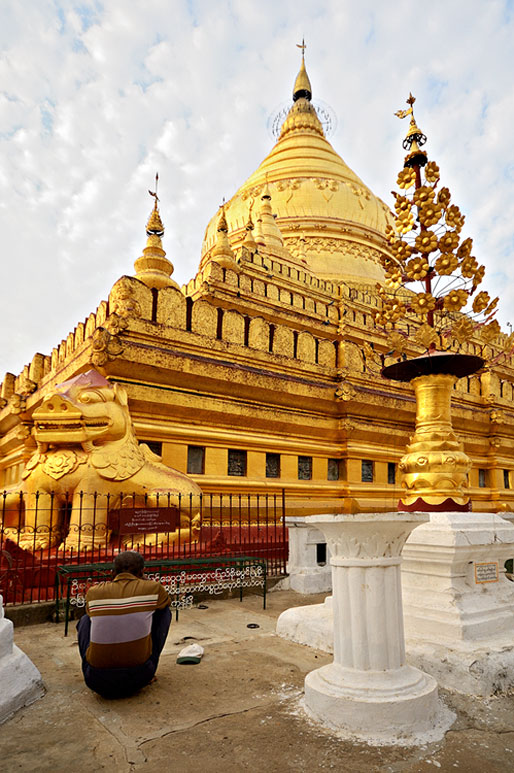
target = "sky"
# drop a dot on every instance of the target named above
(96, 96)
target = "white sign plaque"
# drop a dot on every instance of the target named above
(487, 572)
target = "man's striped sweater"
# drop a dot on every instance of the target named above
(121, 620)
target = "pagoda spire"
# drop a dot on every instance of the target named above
(302, 115)
(222, 252)
(153, 268)
(249, 241)
(414, 139)
(270, 229)
(302, 85)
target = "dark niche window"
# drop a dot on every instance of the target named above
(333, 469)
(273, 465)
(195, 460)
(367, 471)
(506, 478)
(305, 468)
(391, 473)
(321, 553)
(236, 462)
(154, 445)
(482, 479)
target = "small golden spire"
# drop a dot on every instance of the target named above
(270, 230)
(414, 138)
(302, 84)
(222, 252)
(153, 268)
(249, 242)
(222, 220)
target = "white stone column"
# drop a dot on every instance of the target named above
(305, 574)
(369, 690)
(20, 681)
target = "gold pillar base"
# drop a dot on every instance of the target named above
(435, 467)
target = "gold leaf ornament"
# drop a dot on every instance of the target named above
(465, 248)
(492, 306)
(489, 332)
(406, 178)
(469, 266)
(444, 197)
(479, 275)
(430, 213)
(481, 301)
(431, 172)
(401, 249)
(394, 311)
(426, 335)
(423, 195)
(402, 204)
(393, 277)
(455, 300)
(417, 268)
(404, 222)
(454, 218)
(426, 241)
(448, 242)
(463, 330)
(446, 264)
(422, 303)
(380, 318)
(396, 342)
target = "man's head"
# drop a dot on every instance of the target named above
(129, 561)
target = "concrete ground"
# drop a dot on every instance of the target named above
(239, 709)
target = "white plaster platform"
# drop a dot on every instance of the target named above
(312, 624)
(369, 691)
(20, 681)
(305, 574)
(458, 604)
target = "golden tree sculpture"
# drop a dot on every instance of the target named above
(431, 275)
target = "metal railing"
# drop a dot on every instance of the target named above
(41, 530)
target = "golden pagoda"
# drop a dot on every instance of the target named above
(253, 377)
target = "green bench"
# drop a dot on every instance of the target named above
(180, 577)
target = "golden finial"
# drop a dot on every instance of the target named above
(154, 227)
(266, 192)
(249, 222)
(414, 138)
(153, 267)
(222, 252)
(222, 220)
(302, 84)
(249, 241)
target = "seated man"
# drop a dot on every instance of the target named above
(124, 630)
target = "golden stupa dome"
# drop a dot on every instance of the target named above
(327, 216)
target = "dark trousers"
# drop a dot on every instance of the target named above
(122, 682)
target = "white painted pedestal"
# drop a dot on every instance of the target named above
(458, 604)
(20, 681)
(369, 691)
(306, 575)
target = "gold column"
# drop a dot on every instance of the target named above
(435, 466)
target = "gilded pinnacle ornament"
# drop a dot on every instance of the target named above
(426, 249)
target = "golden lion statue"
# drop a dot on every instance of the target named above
(88, 455)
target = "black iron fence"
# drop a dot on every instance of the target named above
(40, 531)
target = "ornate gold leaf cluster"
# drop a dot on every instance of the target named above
(426, 247)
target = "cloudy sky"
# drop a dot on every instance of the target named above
(95, 96)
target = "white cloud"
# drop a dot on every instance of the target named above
(98, 96)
